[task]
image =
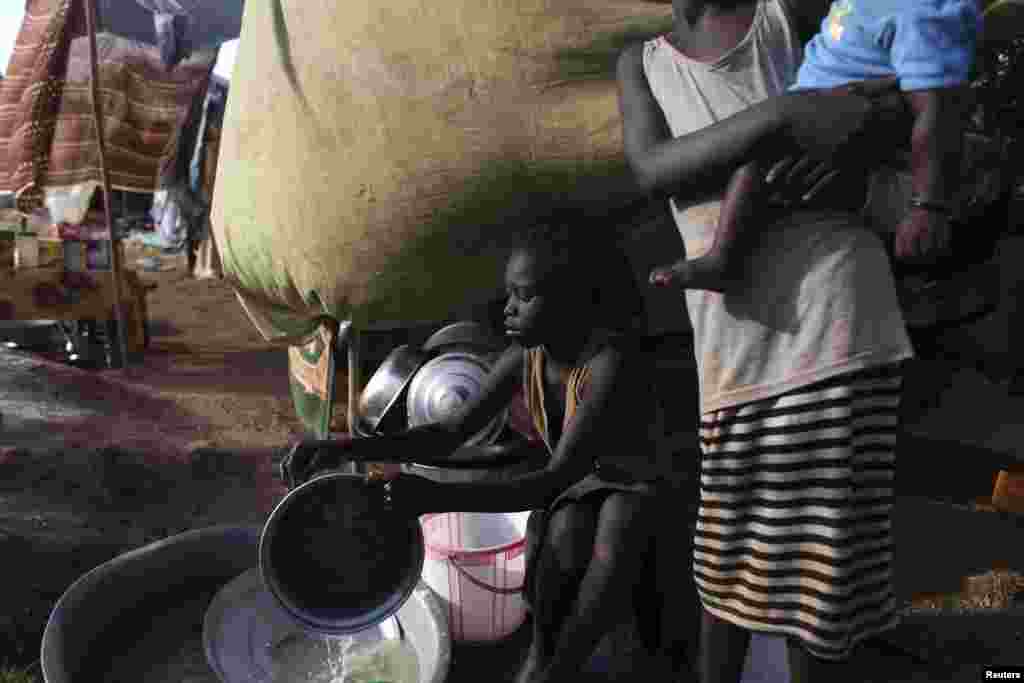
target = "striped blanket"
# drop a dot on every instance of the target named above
(47, 135)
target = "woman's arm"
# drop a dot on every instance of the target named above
(609, 391)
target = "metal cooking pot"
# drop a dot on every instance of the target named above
(381, 397)
(289, 552)
(443, 385)
(464, 336)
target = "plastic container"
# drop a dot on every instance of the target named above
(476, 563)
(26, 251)
(51, 252)
(1008, 495)
(97, 255)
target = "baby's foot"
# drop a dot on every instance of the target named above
(706, 272)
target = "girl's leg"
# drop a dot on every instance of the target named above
(723, 650)
(806, 668)
(562, 560)
(604, 596)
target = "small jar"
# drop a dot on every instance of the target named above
(26, 251)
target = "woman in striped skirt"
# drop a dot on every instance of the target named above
(794, 534)
(799, 369)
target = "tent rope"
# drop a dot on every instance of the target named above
(97, 112)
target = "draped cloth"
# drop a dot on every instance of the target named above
(49, 156)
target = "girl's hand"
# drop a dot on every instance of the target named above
(827, 125)
(824, 122)
(795, 180)
(307, 458)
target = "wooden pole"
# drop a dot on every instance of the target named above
(97, 112)
(354, 379)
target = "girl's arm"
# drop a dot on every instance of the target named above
(691, 165)
(701, 163)
(609, 392)
(433, 441)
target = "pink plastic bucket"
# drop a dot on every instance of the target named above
(476, 562)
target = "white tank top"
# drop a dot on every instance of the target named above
(821, 299)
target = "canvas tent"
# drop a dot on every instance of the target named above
(48, 150)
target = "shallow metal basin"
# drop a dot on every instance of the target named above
(108, 627)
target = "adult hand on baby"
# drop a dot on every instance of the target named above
(798, 179)
(824, 123)
(922, 238)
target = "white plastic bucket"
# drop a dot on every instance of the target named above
(476, 563)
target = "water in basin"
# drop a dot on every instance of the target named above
(336, 660)
(250, 639)
(171, 650)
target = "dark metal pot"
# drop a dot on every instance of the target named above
(295, 515)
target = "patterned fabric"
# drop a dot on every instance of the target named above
(312, 374)
(824, 302)
(47, 133)
(794, 530)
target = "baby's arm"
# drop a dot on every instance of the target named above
(936, 150)
(722, 267)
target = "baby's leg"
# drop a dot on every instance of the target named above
(723, 267)
(604, 596)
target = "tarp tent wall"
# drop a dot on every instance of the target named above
(48, 151)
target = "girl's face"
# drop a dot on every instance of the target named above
(531, 312)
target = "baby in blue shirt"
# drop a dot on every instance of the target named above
(929, 46)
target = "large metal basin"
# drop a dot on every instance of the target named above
(120, 621)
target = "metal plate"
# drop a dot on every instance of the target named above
(466, 335)
(243, 619)
(384, 390)
(443, 385)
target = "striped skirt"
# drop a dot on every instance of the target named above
(794, 532)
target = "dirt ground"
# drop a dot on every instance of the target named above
(107, 461)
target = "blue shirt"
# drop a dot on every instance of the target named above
(925, 43)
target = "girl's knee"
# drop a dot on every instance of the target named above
(570, 537)
(623, 533)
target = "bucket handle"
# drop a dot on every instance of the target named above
(480, 584)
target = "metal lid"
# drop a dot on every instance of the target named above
(468, 335)
(443, 385)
